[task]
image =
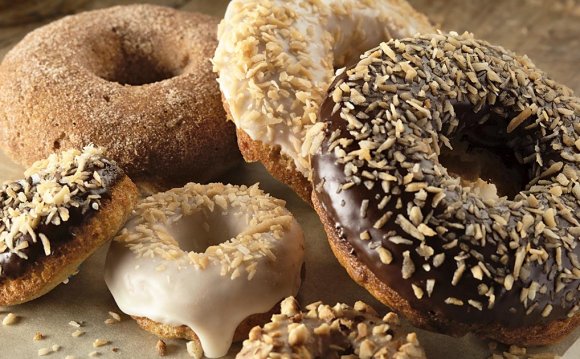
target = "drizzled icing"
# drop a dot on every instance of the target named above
(151, 275)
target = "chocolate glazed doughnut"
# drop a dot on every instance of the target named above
(421, 233)
(65, 208)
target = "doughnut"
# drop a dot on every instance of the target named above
(195, 262)
(331, 332)
(449, 245)
(136, 80)
(275, 60)
(64, 209)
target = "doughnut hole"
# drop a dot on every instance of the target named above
(485, 157)
(126, 55)
(202, 229)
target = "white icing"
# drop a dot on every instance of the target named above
(163, 284)
(334, 32)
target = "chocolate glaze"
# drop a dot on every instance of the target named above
(343, 208)
(14, 266)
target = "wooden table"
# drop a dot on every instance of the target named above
(548, 31)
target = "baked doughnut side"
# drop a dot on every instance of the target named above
(184, 332)
(50, 271)
(280, 166)
(146, 93)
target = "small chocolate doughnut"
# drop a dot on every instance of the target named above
(442, 247)
(331, 333)
(64, 209)
(136, 80)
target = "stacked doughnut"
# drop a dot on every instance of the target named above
(447, 251)
(276, 59)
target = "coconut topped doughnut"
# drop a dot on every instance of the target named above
(136, 80)
(449, 251)
(206, 257)
(331, 332)
(65, 208)
(276, 59)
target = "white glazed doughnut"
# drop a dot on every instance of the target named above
(158, 268)
(276, 58)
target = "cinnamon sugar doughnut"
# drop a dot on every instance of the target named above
(276, 59)
(331, 332)
(136, 80)
(65, 208)
(204, 262)
(452, 252)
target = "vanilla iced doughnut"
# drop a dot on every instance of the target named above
(275, 60)
(159, 267)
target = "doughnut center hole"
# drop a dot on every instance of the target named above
(202, 229)
(140, 70)
(130, 57)
(483, 161)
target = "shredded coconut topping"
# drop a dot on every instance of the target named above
(327, 332)
(51, 187)
(396, 109)
(148, 232)
(275, 60)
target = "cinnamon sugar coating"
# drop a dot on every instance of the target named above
(136, 80)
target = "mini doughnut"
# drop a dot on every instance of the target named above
(276, 59)
(64, 209)
(136, 80)
(331, 332)
(445, 250)
(160, 271)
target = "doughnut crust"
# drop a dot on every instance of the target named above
(453, 257)
(49, 271)
(184, 332)
(136, 80)
(279, 165)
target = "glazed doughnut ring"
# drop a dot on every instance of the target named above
(158, 267)
(444, 249)
(276, 59)
(64, 209)
(136, 80)
(331, 332)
